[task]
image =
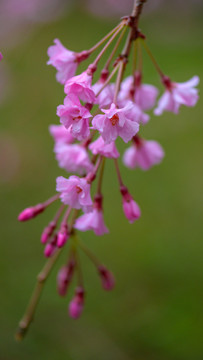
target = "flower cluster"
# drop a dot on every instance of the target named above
(92, 117)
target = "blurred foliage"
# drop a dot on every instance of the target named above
(155, 311)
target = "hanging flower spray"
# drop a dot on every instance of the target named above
(92, 117)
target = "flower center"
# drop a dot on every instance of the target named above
(78, 189)
(114, 119)
(77, 118)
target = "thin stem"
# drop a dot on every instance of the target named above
(101, 177)
(77, 260)
(58, 214)
(106, 66)
(139, 56)
(32, 305)
(108, 79)
(118, 172)
(51, 200)
(107, 45)
(66, 215)
(132, 36)
(34, 300)
(118, 80)
(157, 67)
(135, 57)
(104, 39)
(88, 252)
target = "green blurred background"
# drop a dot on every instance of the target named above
(155, 311)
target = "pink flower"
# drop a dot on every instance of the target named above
(61, 134)
(143, 95)
(73, 158)
(177, 94)
(92, 221)
(80, 86)
(136, 114)
(64, 60)
(107, 278)
(107, 150)
(1, 56)
(75, 192)
(105, 98)
(143, 154)
(77, 304)
(64, 277)
(74, 117)
(115, 122)
(130, 207)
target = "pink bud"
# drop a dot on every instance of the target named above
(130, 207)
(107, 278)
(31, 212)
(48, 231)
(64, 277)
(62, 236)
(50, 248)
(76, 305)
(1, 56)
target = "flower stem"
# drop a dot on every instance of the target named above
(106, 46)
(104, 39)
(157, 67)
(108, 79)
(88, 252)
(118, 172)
(30, 311)
(132, 36)
(106, 66)
(34, 300)
(100, 177)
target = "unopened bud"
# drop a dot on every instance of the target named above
(48, 231)
(31, 212)
(107, 278)
(77, 303)
(64, 277)
(62, 236)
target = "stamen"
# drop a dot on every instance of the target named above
(114, 119)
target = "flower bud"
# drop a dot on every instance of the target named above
(50, 248)
(62, 236)
(77, 303)
(107, 278)
(64, 277)
(48, 231)
(31, 212)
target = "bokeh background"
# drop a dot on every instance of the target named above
(155, 311)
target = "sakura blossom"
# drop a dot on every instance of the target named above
(73, 158)
(75, 192)
(144, 95)
(64, 60)
(114, 123)
(92, 221)
(60, 134)
(107, 150)
(143, 154)
(74, 117)
(178, 94)
(80, 86)
(93, 116)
